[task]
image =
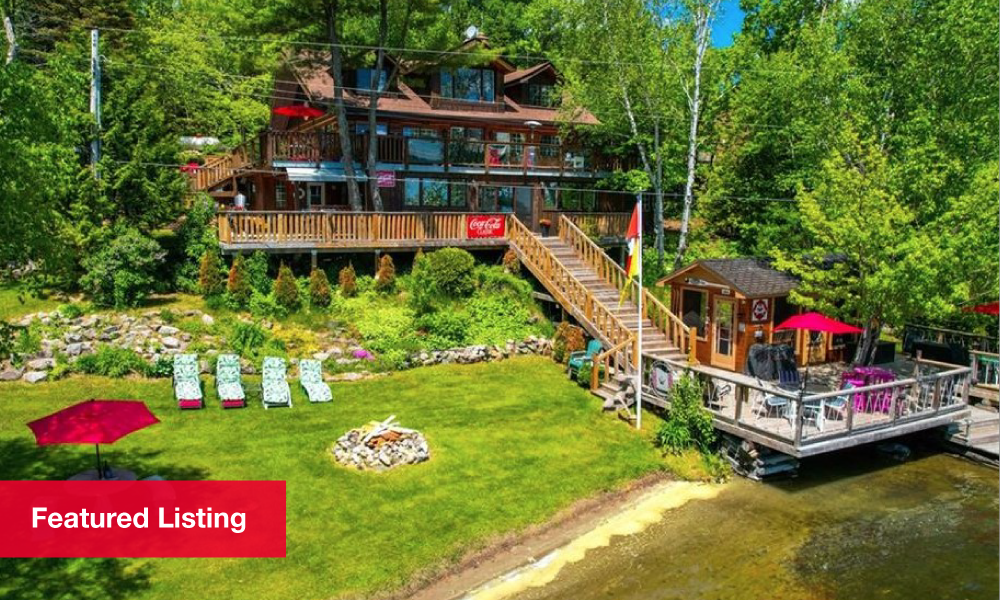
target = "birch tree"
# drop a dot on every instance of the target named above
(332, 8)
(702, 13)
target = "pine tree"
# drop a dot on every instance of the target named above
(238, 286)
(286, 291)
(319, 288)
(348, 281)
(210, 279)
(385, 279)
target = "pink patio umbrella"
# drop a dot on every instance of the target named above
(191, 167)
(93, 422)
(814, 321)
(298, 110)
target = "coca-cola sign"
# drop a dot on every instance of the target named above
(485, 226)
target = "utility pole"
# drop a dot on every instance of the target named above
(658, 213)
(95, 102)
(638, 375)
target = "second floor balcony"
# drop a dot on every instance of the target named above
(293, 148)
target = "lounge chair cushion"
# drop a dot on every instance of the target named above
(317, 391)
(275, 388)
(231, 391)
(187, 390)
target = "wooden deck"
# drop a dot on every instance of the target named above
(336, 231)
(936, 395)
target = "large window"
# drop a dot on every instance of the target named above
(280, 195)
(424, 146)
(466, 146)
(468, 84)
(380, 128)
(366, 77)
(694, 309)
(581, 200)
(541, 95)
(433, 193)
(496, 199)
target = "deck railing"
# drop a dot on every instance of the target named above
(219, 168)
(324, 146)
(341, 229)
(616, 360)
(601, 225)
(665, 321)
(790, 421)
(568, 290)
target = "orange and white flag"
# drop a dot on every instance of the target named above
(634, 241)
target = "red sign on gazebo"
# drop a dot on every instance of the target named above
(485, 226)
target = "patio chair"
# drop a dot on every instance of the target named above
(187, 382)
(582, 357)
(228, 381)
(311, 378)
(770, 403)
(274, 385)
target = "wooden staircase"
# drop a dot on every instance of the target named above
(588, 284)
(222, 169)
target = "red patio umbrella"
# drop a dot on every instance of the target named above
(814, 321)
(298, 110)
(990, 308)
(93, 422)
(191, 167)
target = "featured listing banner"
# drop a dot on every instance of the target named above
(142, 518)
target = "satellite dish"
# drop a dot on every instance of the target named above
(471, 32)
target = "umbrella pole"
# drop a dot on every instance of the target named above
(100, 475)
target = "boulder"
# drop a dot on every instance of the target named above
(171, 342)
(11, 374)
(207, 319)
(168, 330)
(41, 364)
(35, 376)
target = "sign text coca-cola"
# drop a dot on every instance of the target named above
(485, 226)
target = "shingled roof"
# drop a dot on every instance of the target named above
(752, 277)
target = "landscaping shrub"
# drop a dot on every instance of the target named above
(111, 361)
(247, 338)
(256, 272)
(689, 423)
(197, 238)
(266, 306)
(495, 319)
(319, 288)
(122, 272)
(348, 281)
(365, 284)
(286, 290)
(8, 339)
(445, 329)
(511, 263)
(386, 327)
(162, 367)
(496, 280)
(568, 338)
(210, 279)
(238, 287)
(70, 311)
(29, 340)
(385, 279)
(168, 316)
(449, 271)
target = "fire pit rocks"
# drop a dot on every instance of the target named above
(380, 446)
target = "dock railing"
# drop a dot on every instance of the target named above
(791, 421)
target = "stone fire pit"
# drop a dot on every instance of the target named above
(380, 446)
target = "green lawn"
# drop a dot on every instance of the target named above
(512, 443)
(15, 302)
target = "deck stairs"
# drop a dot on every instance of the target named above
(979, 433)
(588, 284)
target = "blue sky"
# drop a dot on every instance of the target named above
(727, 24)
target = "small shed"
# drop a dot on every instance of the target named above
(736, 302)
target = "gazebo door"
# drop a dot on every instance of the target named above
(724, 333)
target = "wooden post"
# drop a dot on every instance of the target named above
(850, 412)
(936, 400)
(799, 417)
(693, 346)
(313, 259)
(740, 396)
(595, 375)
(965, 388)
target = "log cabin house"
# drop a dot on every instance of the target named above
(479, 138)
(736, 302)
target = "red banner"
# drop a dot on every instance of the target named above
(142, 518)
(485, 226)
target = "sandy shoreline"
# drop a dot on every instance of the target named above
(520, 550)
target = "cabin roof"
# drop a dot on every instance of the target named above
(317, 83)
(524, 75)
(751, 277)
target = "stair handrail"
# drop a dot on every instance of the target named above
(595, 256)
(568, 287)
(604, 360)
(668, 323)
(224, 166)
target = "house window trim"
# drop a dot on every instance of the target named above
(280, 195)
(322, 195)
(485, 73)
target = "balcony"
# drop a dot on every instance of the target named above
(438, 154)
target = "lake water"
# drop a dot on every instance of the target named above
(854, 525)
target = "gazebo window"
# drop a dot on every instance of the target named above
(694, 310)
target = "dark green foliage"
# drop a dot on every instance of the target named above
(286, 290)
(319, 288)
(446, 329)
(449, 271)
(568, 338)
(689, 423)
(211, 281)
(162, 367)
(246, 338)
(196, 237)
(8, 336)
(238, 287)
(121, 273)
(256, 269)
(348, 281)
(111, 361)
(385, 279)
(266, 306)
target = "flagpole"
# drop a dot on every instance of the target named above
(638, 375)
